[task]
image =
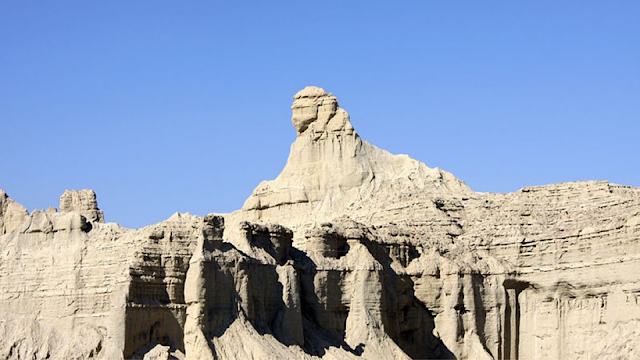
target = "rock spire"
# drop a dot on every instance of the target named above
(330, 168)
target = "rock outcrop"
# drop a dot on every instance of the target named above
(83, 202)
(12, 214)
(330, 168)
(350, 253)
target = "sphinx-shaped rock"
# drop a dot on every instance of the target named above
(330, 168)
(83, 202)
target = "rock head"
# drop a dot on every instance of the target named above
(318, 112)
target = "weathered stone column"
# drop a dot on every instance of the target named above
(510, 330)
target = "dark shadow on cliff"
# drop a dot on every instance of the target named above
(236, 285)
(227, 271)
(408, 321)
(318, 339)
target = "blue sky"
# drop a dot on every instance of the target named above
(164, 106)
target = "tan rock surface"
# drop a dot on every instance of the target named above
(83, 202)
(12, 214)
(350, 253)
(330, 168)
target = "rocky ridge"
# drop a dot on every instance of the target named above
(351, 252)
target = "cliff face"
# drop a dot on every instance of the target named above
(350, 253)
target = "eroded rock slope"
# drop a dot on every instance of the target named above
(350, 253)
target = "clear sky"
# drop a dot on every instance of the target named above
(165, 106)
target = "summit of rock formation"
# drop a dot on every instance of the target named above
(331, 169)
(318, 112)
(83, 202)
(350, 253)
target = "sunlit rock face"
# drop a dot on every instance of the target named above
(331, 170)
(350, 253)
(83, 202)
(318, 112)
(12, 214)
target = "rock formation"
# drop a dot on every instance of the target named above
(83, 202)
(330, 168)
(12, 214)
(350, 253)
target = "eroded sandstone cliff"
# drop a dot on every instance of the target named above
(351, 252)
